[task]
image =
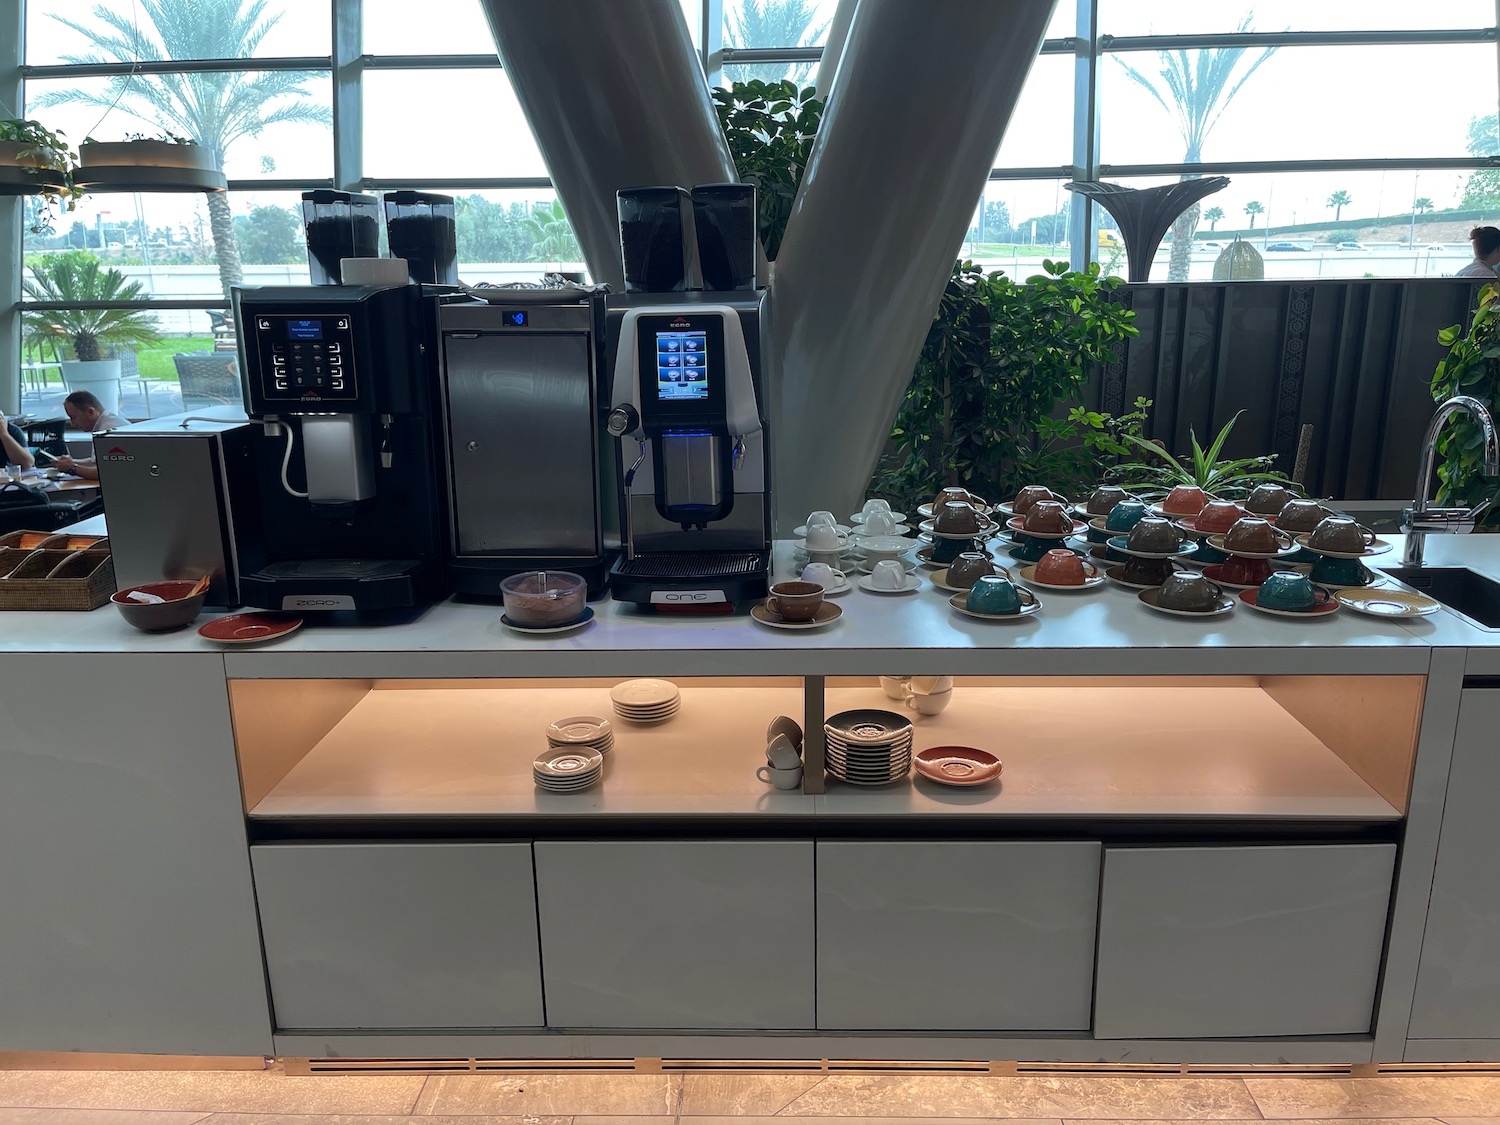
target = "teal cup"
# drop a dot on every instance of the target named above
(1124, 515)
(994, 593)
(946, 550)
(1286, 590)
(1032, 550)
(1340, 572)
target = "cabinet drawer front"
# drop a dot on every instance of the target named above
(677, 934)
(1241, 941)
(961, 936)
(400, 935)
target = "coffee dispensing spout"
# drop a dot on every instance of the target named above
(624, 420)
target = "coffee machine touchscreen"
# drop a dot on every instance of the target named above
(682, 365)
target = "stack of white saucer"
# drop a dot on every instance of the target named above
(646, 701)
(582, 732)
(565, 769)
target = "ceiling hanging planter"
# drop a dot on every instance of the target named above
(142, 164)
(36, 161)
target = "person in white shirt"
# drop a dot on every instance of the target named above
(85, 412)
(1486, 242)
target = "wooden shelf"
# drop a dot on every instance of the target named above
(1224, 750)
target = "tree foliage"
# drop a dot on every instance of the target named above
(268, 236)
(772, 23)
(770, 129)
(1002, 357)
(551, 234)
(1471, 367)
(70, 279)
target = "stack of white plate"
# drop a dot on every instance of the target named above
(868, 746)
(646, 701)
(565, 769)
(582, 732)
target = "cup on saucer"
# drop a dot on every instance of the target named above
(824, 575)
(888, 574)
(795, 601)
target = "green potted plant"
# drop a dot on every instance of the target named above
(992, 404)
(166, 150)
(1471, 367)
(1228, 480)
(71, 279)
(33, 156)
(770, 128)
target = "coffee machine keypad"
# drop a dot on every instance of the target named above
(305, 356)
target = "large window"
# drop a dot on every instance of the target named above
(1359, 139)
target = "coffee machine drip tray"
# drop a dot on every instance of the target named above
(342, 584)
(691, 579)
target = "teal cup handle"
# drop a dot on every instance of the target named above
(1284, 590)
(996, 594)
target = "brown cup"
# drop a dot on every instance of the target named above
(795, 601)
(1301, 516)
(1031, 495)
(1217, 517)
(1105, 497)
(1267, 500)
(956, 517)
(952, 496)
(1147, 572)
(1341, 534)
(1253, 534)
(1184, 500)
(1048, 517)
(1064, 568)
(1153, 534)
(969, 567)
(1188, 590)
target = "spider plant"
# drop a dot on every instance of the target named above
(1228, 480)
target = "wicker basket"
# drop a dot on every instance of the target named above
(52, 579)
(10, 558)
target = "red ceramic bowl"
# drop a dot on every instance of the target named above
(178, 608)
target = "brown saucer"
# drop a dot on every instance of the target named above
(827, 613)
(957, 765)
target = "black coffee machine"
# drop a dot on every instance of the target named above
(688, 402)
(347, 474)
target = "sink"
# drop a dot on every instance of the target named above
(1463, 591)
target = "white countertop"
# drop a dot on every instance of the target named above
(1081, 633)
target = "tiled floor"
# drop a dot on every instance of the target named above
(36, 1097)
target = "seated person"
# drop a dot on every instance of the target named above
(85, 412)
(13, 449)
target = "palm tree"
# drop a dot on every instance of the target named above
(74, 278)
(552, 238)
(1213, 215)
(1338, 200)
(1421, 205)
(214, 109)
(1200, 84)
(1253, 208)
(772, 23)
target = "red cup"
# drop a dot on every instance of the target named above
(1184, 500)
(1064, 568)
(1218, 516)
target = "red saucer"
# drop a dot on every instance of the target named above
(1017, 524)
(250, 628)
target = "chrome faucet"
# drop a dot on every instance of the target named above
(1419, 520)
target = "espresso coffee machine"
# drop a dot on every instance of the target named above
(347, 476)
(518, 372)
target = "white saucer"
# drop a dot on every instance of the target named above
(843, 529)
(913, 584)
(644, 694)
(866, 567)
(801, 545)
(834, 591)
(588, 615)
(859, 517)
(1028, 574)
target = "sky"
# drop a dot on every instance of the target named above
(1302, 103)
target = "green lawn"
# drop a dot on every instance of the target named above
(156, 359)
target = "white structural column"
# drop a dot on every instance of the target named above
(922, 98)
(616, 98)
(12, 95)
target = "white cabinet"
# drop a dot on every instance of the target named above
(1458, 983)
(1215, 942)
(956, 935)
(677, 933)
(399, 935)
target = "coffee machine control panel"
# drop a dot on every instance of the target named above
(682, 372)
(306, 357)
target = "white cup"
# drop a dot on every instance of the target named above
(894, 686)
(830, 559)
(824, 575)
(931, 685)
(782, 755)
(934, 704)
(821, 519)
(781, 779)
(824, 538)
(873, 507)
(880, 523)
(888, 574)
(373, 271)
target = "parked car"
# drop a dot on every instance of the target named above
(1289, 246)
(1436, 246)
(1215, 246)
(1352, 246)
